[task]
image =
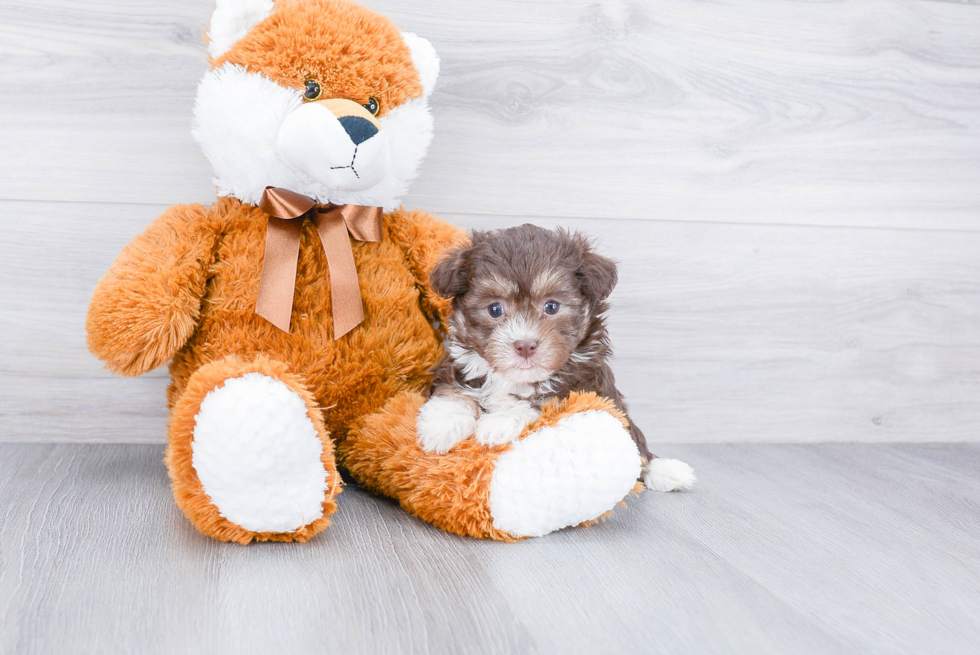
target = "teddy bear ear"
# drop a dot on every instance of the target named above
(232, 19)
(425, 59)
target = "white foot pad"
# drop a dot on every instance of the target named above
(668, 475)
(563, 475)
(257, 455)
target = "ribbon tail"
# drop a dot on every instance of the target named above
(345, 292)
(278, 281)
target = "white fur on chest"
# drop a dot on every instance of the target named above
(497, 393)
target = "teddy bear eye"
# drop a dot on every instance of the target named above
(312, 90)
(551, 307)
(373, 106)
(496, 310)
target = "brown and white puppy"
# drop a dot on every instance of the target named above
(527, 326)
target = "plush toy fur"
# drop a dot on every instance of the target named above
(261, 418)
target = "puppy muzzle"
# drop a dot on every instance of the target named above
(336, 142)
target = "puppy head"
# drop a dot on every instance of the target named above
(322, 97)
(524, 297)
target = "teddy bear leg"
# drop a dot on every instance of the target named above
(248, 455)
(571, 466)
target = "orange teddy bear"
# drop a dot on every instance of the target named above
(297, 309)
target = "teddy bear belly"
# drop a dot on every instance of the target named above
(391, 351)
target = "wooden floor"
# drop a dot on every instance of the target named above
(779, 549)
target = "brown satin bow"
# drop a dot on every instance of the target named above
(334, 223)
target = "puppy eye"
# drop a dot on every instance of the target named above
(551, 307)
(373, 106)
(496, 310)
(312, 91)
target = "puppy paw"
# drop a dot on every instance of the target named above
(668, 475)
(442, 423)
(495, 428)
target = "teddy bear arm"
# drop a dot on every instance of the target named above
(148, 304)
(425, 239)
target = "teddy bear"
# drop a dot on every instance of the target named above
(297, 313)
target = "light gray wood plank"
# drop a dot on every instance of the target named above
(792, 112)
(158, 586)
(723, 332)
(793, 334)
(839, 533)
(52, 388)
(802, 549)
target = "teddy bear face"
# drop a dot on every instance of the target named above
(321, 97)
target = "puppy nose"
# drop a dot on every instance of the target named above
(358, 129)
(525, 347)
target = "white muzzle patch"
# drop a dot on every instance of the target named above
(346, 154)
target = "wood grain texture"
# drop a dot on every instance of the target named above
(778, 549)
(853, 112)
(726, 153)
(723, 332)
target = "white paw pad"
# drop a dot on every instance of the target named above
(257, 455)
(563, 475)
(668, 475)
(442, 423)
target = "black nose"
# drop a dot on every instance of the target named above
(525, 347)
(358, 129)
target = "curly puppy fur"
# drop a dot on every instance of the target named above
(527, 327)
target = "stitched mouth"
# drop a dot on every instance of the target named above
(350, 165)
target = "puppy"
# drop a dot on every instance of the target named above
(527, 326)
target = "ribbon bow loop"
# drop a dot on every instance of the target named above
(336, 225)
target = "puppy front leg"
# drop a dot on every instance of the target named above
(504, 425)
(445, 420)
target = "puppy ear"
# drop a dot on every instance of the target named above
(451, 276)
(598, 276)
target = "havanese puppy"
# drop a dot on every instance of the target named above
(527, 326)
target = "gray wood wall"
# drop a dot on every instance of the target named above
(792, 189)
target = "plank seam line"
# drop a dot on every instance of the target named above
(831, 226)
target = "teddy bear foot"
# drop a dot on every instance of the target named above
(563, 475)
(248, 456)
